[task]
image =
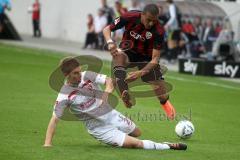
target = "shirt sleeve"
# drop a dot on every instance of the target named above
(94, 77)
(158, 41)
(60, 105)
(118, 23)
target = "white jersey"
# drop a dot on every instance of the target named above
(83, 102)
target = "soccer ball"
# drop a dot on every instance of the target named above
(184, 129)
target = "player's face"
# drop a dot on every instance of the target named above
(148, 20)
(75, 76)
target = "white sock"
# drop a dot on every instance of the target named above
(147, 144)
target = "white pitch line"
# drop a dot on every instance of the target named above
(204, 82)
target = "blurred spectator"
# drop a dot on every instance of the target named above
(224, 48)
(183, 45)
(4, 4)
(100, 22)
(198, 27)
(184, 25)
(173, 29)
(35, 10)
(218, 29)
(188, 28)
(91, 36)
(109, 12)
(195, 31)
(202, 36)
(135, 6)
(208, 38)
(162, 17)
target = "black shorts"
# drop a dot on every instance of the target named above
(140, 61)
(1, 19)
(175, 35)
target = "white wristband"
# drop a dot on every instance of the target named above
(110, 41)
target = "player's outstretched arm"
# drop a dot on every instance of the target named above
(107, 33)
(112, 47)
(50, 131)
(109, 85)
(109, 89)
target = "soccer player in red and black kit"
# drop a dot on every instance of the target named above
(146, 34)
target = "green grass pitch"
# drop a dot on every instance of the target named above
(26, 102)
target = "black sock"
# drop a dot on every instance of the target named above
(120, 75)
(163, 101)
(170, 54)
(175, 53)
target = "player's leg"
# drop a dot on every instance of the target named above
(111, 135)
(135, 133)
(39, 29)
(161, 91)
(34, 28)
(131, 142)
(164, 101)
(124, 124)
(119, 70)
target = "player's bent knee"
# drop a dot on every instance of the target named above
(136, 133)
(120, 56)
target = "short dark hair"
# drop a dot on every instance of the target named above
(68, 64)
(152, 9)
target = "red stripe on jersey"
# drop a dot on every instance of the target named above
(86, 83)
(72, 93)
(144, 40)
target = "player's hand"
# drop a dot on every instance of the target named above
(132, 76)
(112, 47)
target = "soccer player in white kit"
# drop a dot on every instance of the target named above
(79, 95)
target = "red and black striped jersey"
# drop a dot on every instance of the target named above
(143, 40)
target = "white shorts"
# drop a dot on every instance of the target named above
(114, 130)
